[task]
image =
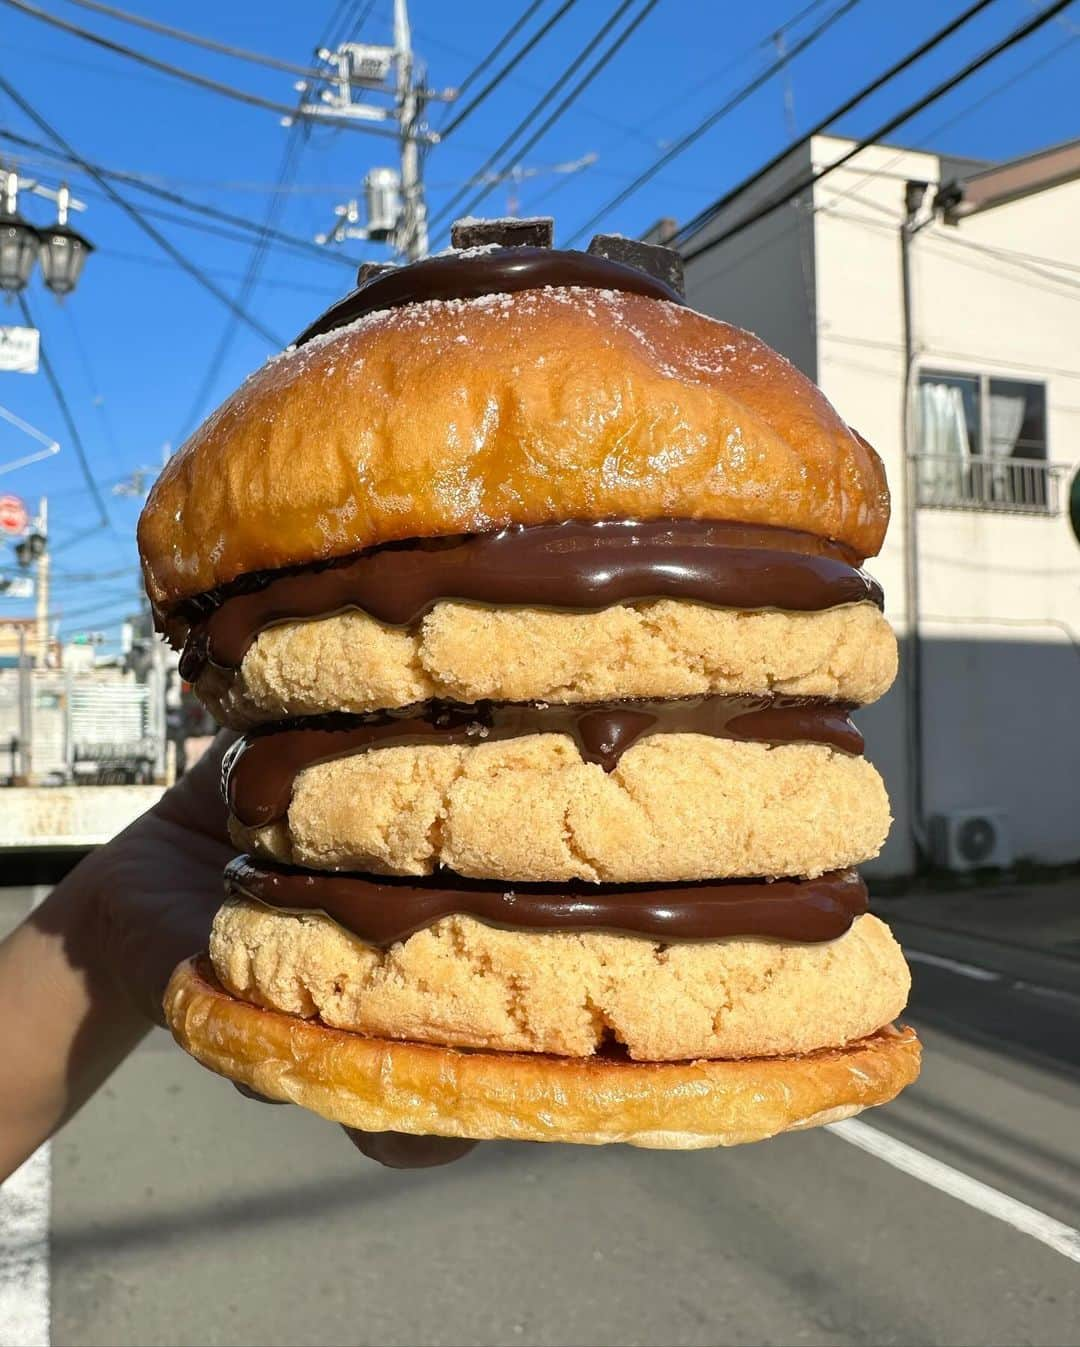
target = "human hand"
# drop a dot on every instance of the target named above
(158, 887)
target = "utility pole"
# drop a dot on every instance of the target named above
(394, 208)
(914, 220)
(412, 238)
(41, 606)
(26, 712)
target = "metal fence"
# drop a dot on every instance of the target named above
(980, 482)
(60, 727)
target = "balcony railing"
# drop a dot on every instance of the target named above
(971, 482)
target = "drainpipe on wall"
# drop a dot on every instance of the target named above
(914, 195)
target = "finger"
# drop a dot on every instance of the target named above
(399, 1150)
(249, 1093)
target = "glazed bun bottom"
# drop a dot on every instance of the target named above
(379, 1085)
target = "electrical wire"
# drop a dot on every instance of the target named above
(190, 76)
(69, 420)
(58, 578)
(966, 111)
(324, 292)
(598, 65)
(711, 79)
(886, 128)
(290, 160)
(140, 182)
(916, 54)
(929, 237)
(197, 40)
(96, 397)
(107, 604)
(332, 24)
(503, 42)
(353, 23)
(514, 61)
(729, 106)
(195, 272)
(533, 112)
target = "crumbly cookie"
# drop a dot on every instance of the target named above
(464, 984)
(678, 806)
(464, 652)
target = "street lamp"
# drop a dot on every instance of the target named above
(63, 250)
(19, 241)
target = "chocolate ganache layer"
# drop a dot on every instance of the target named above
(495, 271)
(574, 566)
(260, 770)
(381, 911)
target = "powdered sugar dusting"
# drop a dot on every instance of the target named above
(613, 309)
(480, 250)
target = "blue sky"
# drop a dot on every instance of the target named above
(136, 344)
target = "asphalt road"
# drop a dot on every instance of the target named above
(181, 1213)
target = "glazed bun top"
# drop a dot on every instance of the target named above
(451, 416)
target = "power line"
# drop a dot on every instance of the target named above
(289, 162)
(534, 112)
(935, 39)
(507, 37)
(189, 76)
(69, 420)
(729, 106)
(351, 23)
(197, 40)
(598, 65)
(711, 79)
(514, 61)
(930, 237)
(332, 23)
(971, 107)
(96, 396)
(135, 214)
(886, 128)
(273, 283)
(142, 184)
(1026, 261)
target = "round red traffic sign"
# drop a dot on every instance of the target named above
(13, 515)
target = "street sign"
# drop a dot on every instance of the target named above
(19, 349)
(17, 587)
(14, 516)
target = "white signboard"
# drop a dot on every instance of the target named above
(18, 587)
(19, 347)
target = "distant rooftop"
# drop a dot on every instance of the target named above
(966, 193)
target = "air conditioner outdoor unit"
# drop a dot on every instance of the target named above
(971, 839)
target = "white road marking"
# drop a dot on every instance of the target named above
(1052, 993)
(967, 970)
(25, 1310)
(1063, 1239)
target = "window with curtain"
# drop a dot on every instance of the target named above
(982, 442)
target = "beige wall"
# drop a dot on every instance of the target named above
(1000, 594)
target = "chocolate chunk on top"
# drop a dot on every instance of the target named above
(665, 264)
(533, 233)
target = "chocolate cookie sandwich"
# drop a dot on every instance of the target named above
(537, 599)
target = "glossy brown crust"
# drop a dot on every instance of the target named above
(377, 1085)
(468, 416)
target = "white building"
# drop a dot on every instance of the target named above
(981, 569)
